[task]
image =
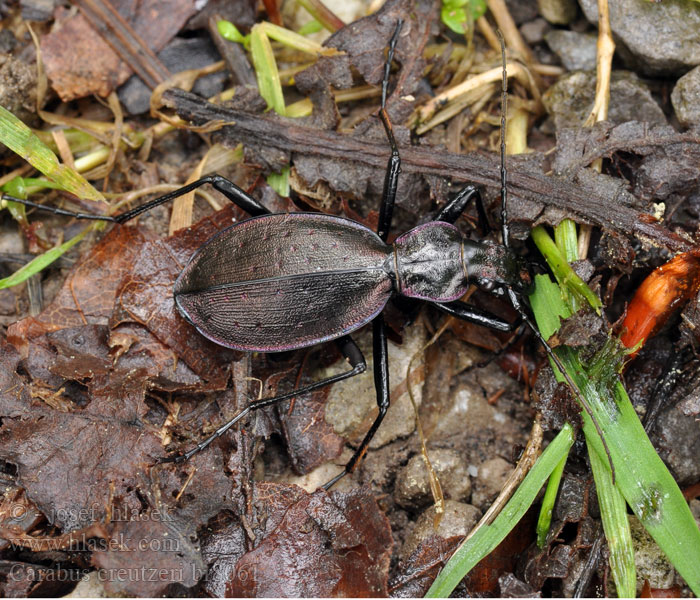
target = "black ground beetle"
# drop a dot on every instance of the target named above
(279, 282)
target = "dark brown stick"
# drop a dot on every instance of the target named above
(584, 202)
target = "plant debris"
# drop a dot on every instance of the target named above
(104, 378)
(80, 62)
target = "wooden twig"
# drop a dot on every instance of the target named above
(233, 54)
(584, 202)
(124, 41)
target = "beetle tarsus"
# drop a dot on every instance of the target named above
(389, 58)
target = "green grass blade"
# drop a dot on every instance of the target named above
(550, 496)
(288, 38)
(266, 70)
(21, 140)
(229, 31)
(567, 278)
(280, 182)
(270, 86)
(323, 15)
(36, 183)
(311, 27)
(613, 513)
(640, 474)
(16, 187)
(79, 141)
(566, 240)
(489, 536)
(43, 260)
(548, 306)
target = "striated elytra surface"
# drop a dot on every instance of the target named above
(285, 281)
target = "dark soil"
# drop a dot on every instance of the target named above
(101, 377)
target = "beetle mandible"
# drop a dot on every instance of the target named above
(321, 277)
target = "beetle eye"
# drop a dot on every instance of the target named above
(487, 285)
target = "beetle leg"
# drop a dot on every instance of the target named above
(238, 196)
(466, 312)
(349, 349)
(455, 207)
(391, 178)
(381, 384)
(5, 198)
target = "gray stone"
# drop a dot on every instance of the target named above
(18, 89)
(650, 561)
(558, 12)
(413, 485)
(690, 405)
(471, 415)
(8, 41)
(577, 51)
(570, 99)
(38, 10)
(458, 519)
(683, 459)
(489, 481)
(352, 406)
(686, 98)
(659, 38)
(534, 32)
(695, 509)
(180, 54)
(522, 11)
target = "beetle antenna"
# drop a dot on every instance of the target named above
(387, 64)
(5, 198)
(515, 301)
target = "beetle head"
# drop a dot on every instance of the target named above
(494, 267)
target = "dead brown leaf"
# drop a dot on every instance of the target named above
(340, 544)
(417, 573)
(146, 555)
(79, 62)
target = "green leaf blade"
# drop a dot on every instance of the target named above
(488, 537)
(266, 71)
(20, 139)
(640, 474)
(42, 261)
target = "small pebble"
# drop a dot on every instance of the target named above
(653, 38)
(558, 12)
(681, 458)
(686, 98)
(534, 31)
(570, 99)
(577, 51)
(489, 482)
(458, 519)
(413, 485)
(651, 563)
